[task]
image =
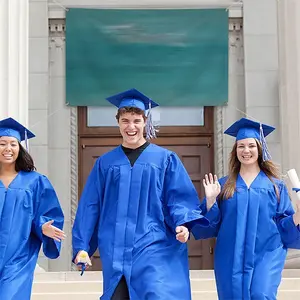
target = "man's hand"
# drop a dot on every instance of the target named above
(182, 234)
(83, 257)
(53, 232)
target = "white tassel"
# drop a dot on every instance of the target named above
(26, 141)
(265, 152)
(150, 127)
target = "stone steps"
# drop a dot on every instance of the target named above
(96, 286)
(97, 276)
(70, 285)
(207, 295)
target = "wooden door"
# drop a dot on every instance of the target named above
(195, 149)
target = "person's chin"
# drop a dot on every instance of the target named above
(7, 161)
(132, 141)
(249, 162)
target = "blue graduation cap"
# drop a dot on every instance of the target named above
(12, 128)
(245, 128)
(134, 98)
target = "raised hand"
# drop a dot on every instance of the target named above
(182, 234)
(212, 189)
(53, 232)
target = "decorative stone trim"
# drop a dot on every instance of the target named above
(74, 162)
(57, 27)
(219, 142)
(74, 168)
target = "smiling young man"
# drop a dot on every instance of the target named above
(136, 207)
(131, 123)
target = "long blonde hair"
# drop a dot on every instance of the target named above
(268, 167)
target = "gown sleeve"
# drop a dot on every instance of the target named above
(180, 196)
(290, 233)
(85, 229)
(214, 218)
(47, 209)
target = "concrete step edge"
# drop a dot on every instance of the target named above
(65, 293)
(79, 280)
(101, 281)
(97, 293)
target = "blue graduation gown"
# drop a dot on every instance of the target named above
(253, 233)
(131, 213)
(25, 206)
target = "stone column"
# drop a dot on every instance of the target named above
(14, 22)
(289, 84)
(289, 81)
(261, 67)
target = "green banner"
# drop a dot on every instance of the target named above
(176, 57)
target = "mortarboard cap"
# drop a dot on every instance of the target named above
(245, 128)
(132, 98)
(12, 128)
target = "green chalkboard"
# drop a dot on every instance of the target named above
(176, 57)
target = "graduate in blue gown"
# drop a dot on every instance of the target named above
(136, 207)
(30, 214)
(251, 215)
